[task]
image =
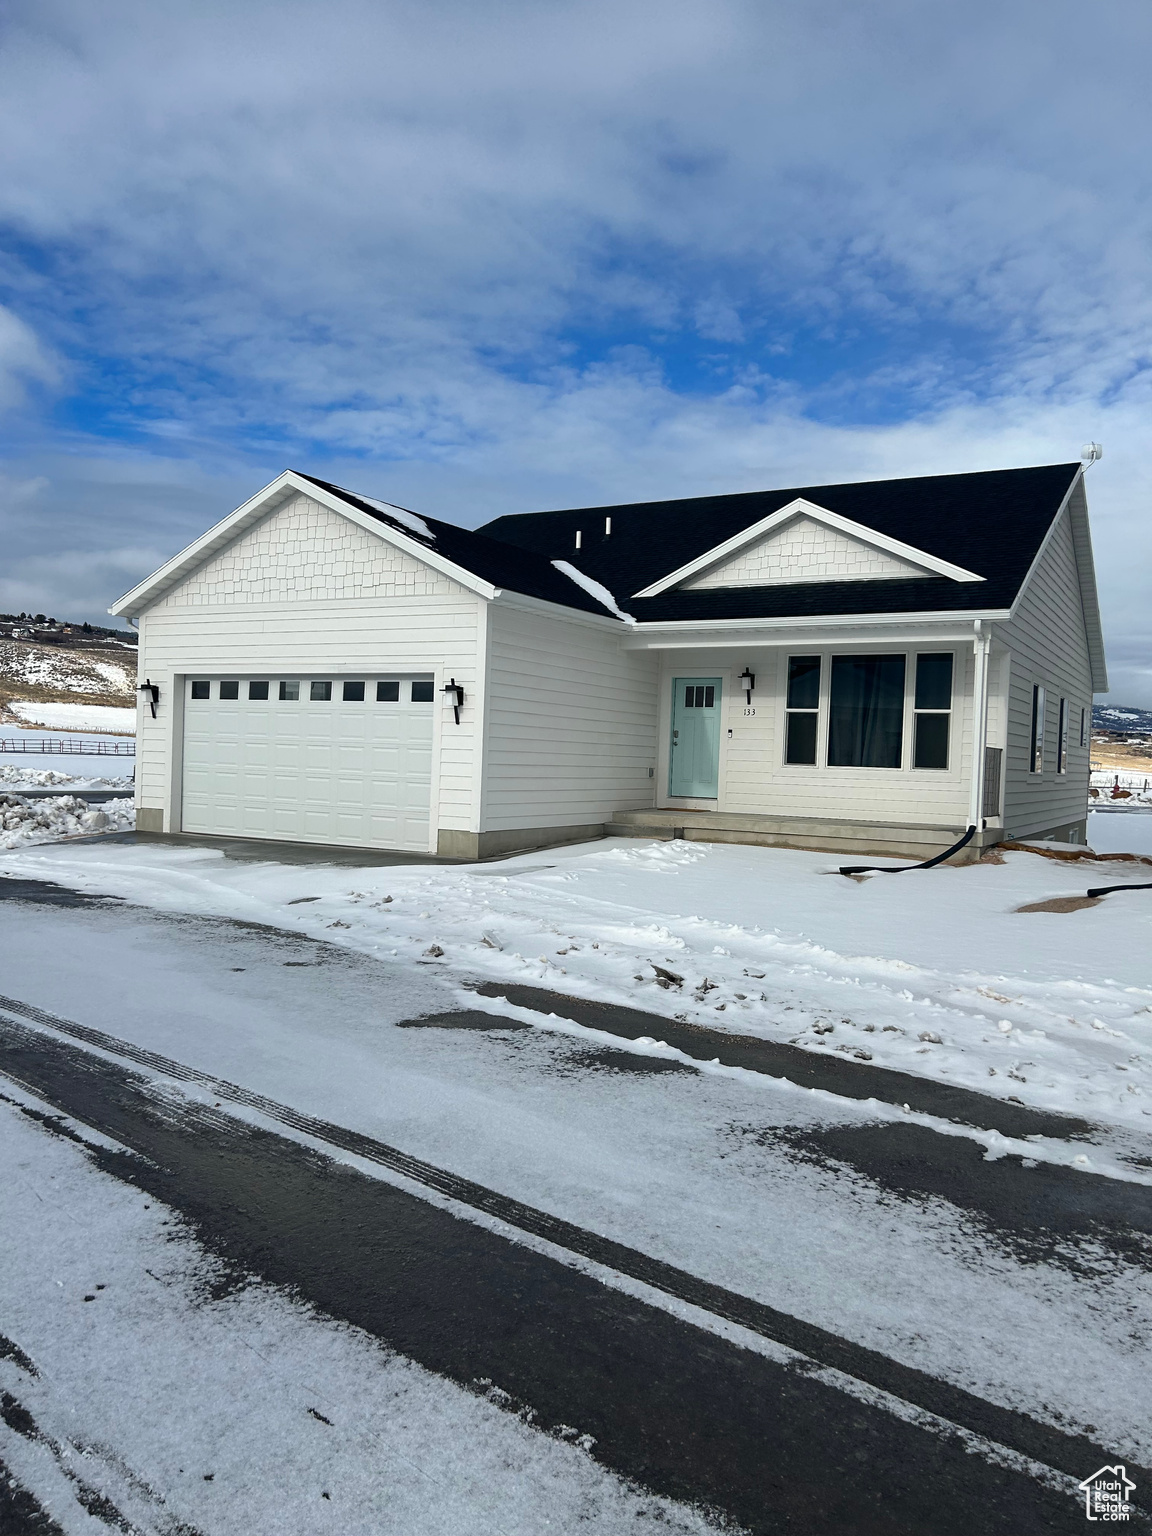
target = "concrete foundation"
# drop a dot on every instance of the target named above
(894, 839)
(487, 845)
(149, 819)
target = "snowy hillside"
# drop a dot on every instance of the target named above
(33, 672)
(1116, 717)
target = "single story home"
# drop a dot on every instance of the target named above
(868, 668)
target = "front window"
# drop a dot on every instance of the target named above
(866, 712)
(803, 709)
(1037, 761)
(933, 704)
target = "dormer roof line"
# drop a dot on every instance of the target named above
(927, 563)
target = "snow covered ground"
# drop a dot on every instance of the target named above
(83, 770)
(63, 669)
(933, 972)
(1120, 832)
(692, 1167)
(194, 1412)
(75, 717)
(62, 816)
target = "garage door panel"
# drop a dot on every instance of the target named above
(348, 772)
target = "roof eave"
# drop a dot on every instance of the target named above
(221, 534)
(800, 506)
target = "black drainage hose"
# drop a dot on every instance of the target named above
(1103, 890)
(886, 869)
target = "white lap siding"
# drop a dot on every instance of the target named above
(571, 721)
(1047, 638)
(304, 594)
(754, 778)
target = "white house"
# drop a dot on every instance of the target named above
(871, 667)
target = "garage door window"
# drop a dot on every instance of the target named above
(229, 689)
(387, 693)
(353, 693)
(422, 693)
(201, 689)
(290, 690)
(257, 690)
(320, 693)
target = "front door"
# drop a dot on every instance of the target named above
(695, 756)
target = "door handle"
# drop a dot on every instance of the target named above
(675, 735)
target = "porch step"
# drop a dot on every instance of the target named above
(828, 834)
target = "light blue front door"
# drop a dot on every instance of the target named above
(695, 756)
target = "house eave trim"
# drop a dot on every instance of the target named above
(826, 621)
(802, 507)
(221, 534)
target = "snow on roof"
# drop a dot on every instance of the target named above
(593, 588)
(401, 515)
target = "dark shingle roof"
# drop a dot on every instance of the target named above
(504, 565)
(991, 523)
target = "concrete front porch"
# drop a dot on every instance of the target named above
(895, 839)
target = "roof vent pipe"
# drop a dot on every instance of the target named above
(577, 538)
(607, 526)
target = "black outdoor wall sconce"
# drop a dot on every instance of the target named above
(151, 692)
(454, 693)
(747, 682)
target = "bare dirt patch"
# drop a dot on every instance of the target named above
(1061, 904)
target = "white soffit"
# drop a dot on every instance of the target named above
(868, 538)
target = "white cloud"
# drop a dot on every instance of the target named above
(457, 252)
(23, 360)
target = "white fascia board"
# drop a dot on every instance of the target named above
(221, 534)
(510, 599)
(201, 549)
(801, 507)
(1086, 575)
(739, 628)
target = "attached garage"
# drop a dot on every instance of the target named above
(315, 759)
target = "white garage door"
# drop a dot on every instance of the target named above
(310, 759)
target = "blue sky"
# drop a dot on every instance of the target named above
(488, 259)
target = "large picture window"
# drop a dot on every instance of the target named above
(933, 705)
(866, 712)
(803, 709)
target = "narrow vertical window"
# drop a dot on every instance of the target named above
(1037, 765)
(866, 712)
(933, 706)
(803, 706)
(1083, 727)
(1062, 739)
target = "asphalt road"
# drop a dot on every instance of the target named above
(834, 1437)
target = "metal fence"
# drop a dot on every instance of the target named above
(68, 746)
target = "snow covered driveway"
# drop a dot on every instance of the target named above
(1022, 1288)
(835, 1245)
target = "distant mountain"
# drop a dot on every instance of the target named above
(1116, 717)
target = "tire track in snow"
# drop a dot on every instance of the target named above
(123, 1104)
